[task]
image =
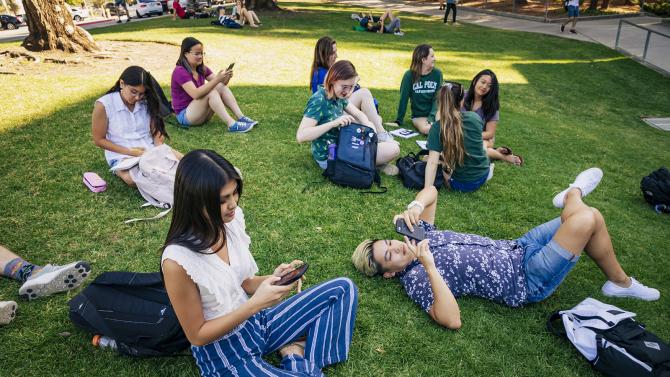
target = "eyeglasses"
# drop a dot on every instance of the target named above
(347, 88)
(197, 53)
(136, 94)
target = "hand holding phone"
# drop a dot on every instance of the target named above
(230, 67)
(401, 227)
(293, 275)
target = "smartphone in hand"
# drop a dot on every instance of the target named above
(230, 67)
(401, 227)
(294, 275)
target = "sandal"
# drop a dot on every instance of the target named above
(504, 150)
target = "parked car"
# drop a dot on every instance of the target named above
(10, 22)
(114, 10)
(78, 13)
(147, 8)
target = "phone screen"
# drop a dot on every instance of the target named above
(292, 276)
(419, 233)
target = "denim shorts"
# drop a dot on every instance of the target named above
(573, 11)
(467, 186)
(181, 118)
(545, 262)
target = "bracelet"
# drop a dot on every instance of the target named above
(415, 203)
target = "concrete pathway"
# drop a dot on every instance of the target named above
(601, 31)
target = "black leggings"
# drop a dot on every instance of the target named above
(446, 13)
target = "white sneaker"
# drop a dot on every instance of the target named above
(53, 279)
(7, 311)
(636, 290)
(390, 170)
(586, 182)
(399, 33)
(355, 17)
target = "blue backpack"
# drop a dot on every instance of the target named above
(354, 162)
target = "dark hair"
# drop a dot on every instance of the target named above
(490, 102)
(420, 52)
(341, 70)
(186, 46)
(322, 52)
(196, 218)
(135, 76)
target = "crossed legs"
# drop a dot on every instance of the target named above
(221, 97)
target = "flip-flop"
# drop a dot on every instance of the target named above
(504, 150)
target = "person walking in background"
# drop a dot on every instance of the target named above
(573, 13)
(121, 4)
(451, 5)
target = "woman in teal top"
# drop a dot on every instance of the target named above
(329, 109)
(419, 85)
(457, 138)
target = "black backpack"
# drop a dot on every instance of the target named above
(354, 163)
(413, 171)
(656, 187)
(132, 308)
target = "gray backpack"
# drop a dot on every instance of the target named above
(154, 176)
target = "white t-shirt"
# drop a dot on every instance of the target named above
(220, 284)
(130, 129)
(573, 3)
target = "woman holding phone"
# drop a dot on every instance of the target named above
(231, 315)
(198, 93)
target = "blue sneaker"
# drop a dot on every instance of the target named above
(246, 119)
(241, 127)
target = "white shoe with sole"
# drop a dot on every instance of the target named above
(636, 290)
(586, 182)
(7, 311)
(53, 279)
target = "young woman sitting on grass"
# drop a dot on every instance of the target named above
(329, 109)
(198, 93)
(209, 274)
(325, 55)
(447, 265)
(455, 142)
(245, 16)
(419, 85)
(126, 121)
(482, 98)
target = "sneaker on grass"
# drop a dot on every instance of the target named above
(390, 170)
(53, 279)
(636, 290)
(586, 182)
(241, 127)
(7, 311)
(246, 119)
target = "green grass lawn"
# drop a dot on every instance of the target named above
(566, 106)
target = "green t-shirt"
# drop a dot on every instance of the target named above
(421, 93)
(324, 110)
(475, 163)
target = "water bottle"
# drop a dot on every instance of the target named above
(332, 151)
(104, 342)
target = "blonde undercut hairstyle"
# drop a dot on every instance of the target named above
(363, 261)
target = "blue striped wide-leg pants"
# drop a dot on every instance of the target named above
(324, 313)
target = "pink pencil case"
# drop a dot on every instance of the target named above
(94, 182)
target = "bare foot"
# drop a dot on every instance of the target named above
(513, 159)
(295, 348)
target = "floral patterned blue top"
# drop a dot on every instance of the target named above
(470, 265)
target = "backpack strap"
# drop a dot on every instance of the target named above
(551, 324)
(158, 216)
(377, 180)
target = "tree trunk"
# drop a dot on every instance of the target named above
(51, 27)
(593, 5)
(262, 4)
(605, 4)
(521, 2)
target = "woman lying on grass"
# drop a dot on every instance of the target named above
(198, 93)
(455, 142)
(482, 98)
(329, 109)
(447, 265)
(209, 274)
(325, 55)
(127, 121)
(419, 86)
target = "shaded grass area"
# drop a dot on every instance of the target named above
(566, 106)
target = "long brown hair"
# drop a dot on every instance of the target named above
(342, 70)
(420, 52)
(451, 125)
(322, 52)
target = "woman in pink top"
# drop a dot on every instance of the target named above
(198, 93)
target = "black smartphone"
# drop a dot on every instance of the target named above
(230, 67)
(294, 275)
(419, 233)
